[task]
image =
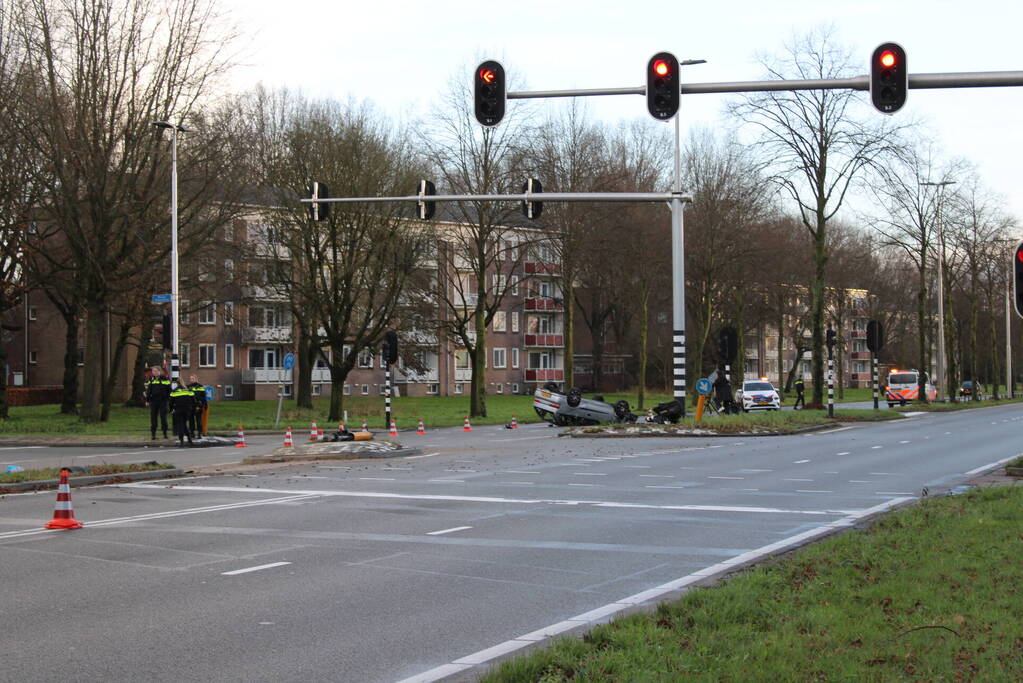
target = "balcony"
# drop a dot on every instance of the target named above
(537, 268)
(321, 376)
(465, 300)
(266, 335)
(545, 340)
(858, 334)
(543, 304)
(463, 374)
(263, 294)
(860, 355)
(266, 376)
(857, 313)
(547, 375)
(408, 376)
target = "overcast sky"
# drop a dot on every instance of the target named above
(400, 55)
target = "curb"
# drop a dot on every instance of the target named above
(94, 479)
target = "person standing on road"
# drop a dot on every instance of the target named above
(800, 398)
(199, 391)
(158, 389)
(182, 406)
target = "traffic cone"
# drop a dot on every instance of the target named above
(421, 429)
(394, 429)
(63, 512)
(467, 427)
(365, 428)
(241, 438)
(313, 433)
(320, 436)
(515, 423)
(288, 442)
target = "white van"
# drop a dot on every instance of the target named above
(904, 387)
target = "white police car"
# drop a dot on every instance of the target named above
(758, 394)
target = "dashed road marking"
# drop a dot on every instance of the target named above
(447, 531)
(254, 569)
(800, 462)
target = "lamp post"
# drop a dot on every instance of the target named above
(174, 129)
(941, 282)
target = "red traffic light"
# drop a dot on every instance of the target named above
(487, 75)
(1019, 254)
(888, 59)
(661, 68)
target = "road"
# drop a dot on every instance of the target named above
(424, 566)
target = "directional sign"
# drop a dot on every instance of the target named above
(161, 298)
(210, 393)
(703, 386)
(289, 361)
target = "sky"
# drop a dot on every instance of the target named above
(401, 56)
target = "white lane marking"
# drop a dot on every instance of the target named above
(601, 613)
(447, 531)
(992, 465)
(726, 477)
(309, 477)
(636, 467)
(589, 485)
(664, 487)
(528, 438)
(843, 453)
(904, 442)
(520, 472)
(589, 474)
(482, 499)
(809, 491)
(658, 476)
(162, 515)
(881, 474)
(874, 448)
(797, 479)
(254, 569)
(754, 471)
(749, 489)
(833, 431)
(590, 460)
(424, 455)
(19, 448)
(916, 414)
(446, 481)
(800, 462)
(376, 479)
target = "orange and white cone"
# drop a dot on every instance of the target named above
(63, 512)
(421, 429)
(241, 438)
(394, 429)
(288, 441)
(514, 422)
(313, 432)
(467, 427)
(320, 435)
(365, 427)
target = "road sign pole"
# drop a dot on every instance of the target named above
(831, 383)
(678, 278)
(873, 365)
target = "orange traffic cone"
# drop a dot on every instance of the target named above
(241, 438)
(514, 423)
(421, 429)
(320, 435)
(63, 512)
(394, 429)
(467, 427)
(288, 442)
(364, 426)
(313, 433)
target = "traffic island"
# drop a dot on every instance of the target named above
(33, 480)
(333, 450)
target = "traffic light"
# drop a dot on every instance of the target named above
(728, 344)
(167, 331)
(1017, 282)
(489, 92)
(663, 88)
(875, 336)
(425, 209)
(390, 349)
(318, 211)
(889, 78)
(830, 340)
(531, 209)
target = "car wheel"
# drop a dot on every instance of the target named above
(560, 420)
(574, 397)
(891, 405)
(621, 409)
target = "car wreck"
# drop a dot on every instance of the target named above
(570, 408)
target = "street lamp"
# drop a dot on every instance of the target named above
(174, 129)
(941, 283)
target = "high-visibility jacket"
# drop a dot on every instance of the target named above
(158, 389)
(182, 401)
(199, 390)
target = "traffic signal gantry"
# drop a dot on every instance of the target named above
(1017, 279)
(888, 82)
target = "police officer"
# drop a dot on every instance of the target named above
(158, 389)
(182, 406)
(199, 390)
(800, 399)
(723, 393)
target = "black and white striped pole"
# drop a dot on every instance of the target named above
(873, 363)
(875, 340)
(390, 356)
(831, 372)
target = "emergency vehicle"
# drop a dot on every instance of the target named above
(904, 386)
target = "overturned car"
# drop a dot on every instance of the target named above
(570, 408)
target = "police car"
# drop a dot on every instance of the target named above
(758, 394)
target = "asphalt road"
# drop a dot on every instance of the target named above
(424, 566)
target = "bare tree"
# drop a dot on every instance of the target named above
(815, 148)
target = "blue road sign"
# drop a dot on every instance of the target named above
(161, 298)
(210, 393)
(289, 361)
(703, 386)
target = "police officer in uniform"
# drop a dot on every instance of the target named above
(723, 393)
(182, 406)
(199, 390)
(158, 389)
(800, 399)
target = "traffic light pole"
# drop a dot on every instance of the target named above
(678, 282)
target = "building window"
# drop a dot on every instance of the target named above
(500, 358)
(366, 358)
(207, 355)
(515, 359)
(228, 355)
(183, 312)
(515, 285)
(365, 390)
(229, 313)
(515, 387)
(184, 355)
(317, 388)
(458, 388)
(515, 321)
(433, 389)
(208, 314)
(500, 323)
(228, 391)
(32, 312)
(228, 270)
(33, 357)
(500, 388)
(346, 390)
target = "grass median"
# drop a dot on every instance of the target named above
(45, 473)
(927, 593)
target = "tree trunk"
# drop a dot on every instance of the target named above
(644, 326)
(817, 314)
(4, 414)
(92, 379)
(307, 355)
(114, 368)
(781, 353)
(568, 294)
(137, 395)
(69, 400)
(337, 383)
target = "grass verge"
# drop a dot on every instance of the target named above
(927, 593)
(959, 405)
(92, 471)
